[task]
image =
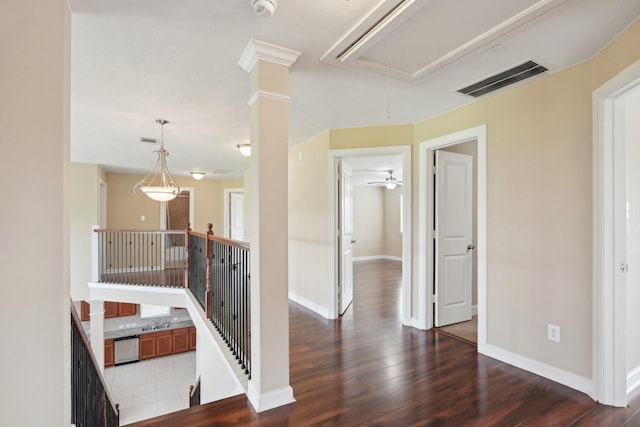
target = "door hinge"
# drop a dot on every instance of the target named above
(435, 170)
(434, 235)
(624, 267)
(434, 297)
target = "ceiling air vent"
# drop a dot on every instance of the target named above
(147, 140)
(506, 78)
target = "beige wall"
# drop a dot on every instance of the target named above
(368, 221)
(633, 231)
(34, 253)
(377, 136)
(539, 203)
(311, 252)
(538, 214)
(539, 206)
(124, 208)
(471, 149)
(392, 235)
(84, 191)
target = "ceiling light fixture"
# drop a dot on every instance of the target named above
(198, 175)
(391, 185)
(159, 184)
(245, 149)
(264, 7)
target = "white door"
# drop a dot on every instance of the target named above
(236, 216)
(453, 243)
(345, 224)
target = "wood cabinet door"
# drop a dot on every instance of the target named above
(180, 340)
(109, 355)
(127, 309)
(85, 309)
(192, 338)
(147, 346)
(164, 344)
(110, 309)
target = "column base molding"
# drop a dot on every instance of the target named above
(271, 399)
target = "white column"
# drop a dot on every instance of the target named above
(268, 66)
(96, 325)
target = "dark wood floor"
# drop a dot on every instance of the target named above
(367, 369)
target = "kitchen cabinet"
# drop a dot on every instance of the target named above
(147, 346)
(110, 309)
(164, 343)
(127, 309)
(192, 338)
(180, 340)
(109, 355)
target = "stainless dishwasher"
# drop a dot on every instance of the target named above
(126, 349)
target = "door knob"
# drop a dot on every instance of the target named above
(470, 247)
(353, 241)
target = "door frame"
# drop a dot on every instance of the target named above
(426, 216)
(405, 151)
(609, 237)
(227, 209)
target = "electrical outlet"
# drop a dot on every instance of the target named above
(553, 332)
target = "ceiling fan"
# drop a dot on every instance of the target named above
(389, 182)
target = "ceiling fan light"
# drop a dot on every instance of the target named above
(391, 185)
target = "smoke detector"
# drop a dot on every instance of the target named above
(264, 7)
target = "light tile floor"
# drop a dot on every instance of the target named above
(153, 387)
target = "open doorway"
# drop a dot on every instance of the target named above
(426, 269)
(234, 214)
(368, 240)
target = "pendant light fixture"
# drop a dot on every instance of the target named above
(159, 184)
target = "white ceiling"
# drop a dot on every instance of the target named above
(134, 61)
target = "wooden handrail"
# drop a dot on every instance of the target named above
(236, 243)
(121, 230)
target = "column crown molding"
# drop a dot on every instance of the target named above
(259, 50)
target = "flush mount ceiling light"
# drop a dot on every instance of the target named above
(245, 149)
(159, 184)
(198, 175)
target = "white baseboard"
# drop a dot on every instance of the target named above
(474, 310)
(377, 257)
(317, 308)
(271, 399)
(633, 380)
(558, 375)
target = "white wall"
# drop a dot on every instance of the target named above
(84, 215)
(633, 232)
(34, 225)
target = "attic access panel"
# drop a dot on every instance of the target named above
(503, 79)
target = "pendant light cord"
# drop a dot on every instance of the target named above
(388, 92)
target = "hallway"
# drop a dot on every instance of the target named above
(367, 369)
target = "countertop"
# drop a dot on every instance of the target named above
(120, 333)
